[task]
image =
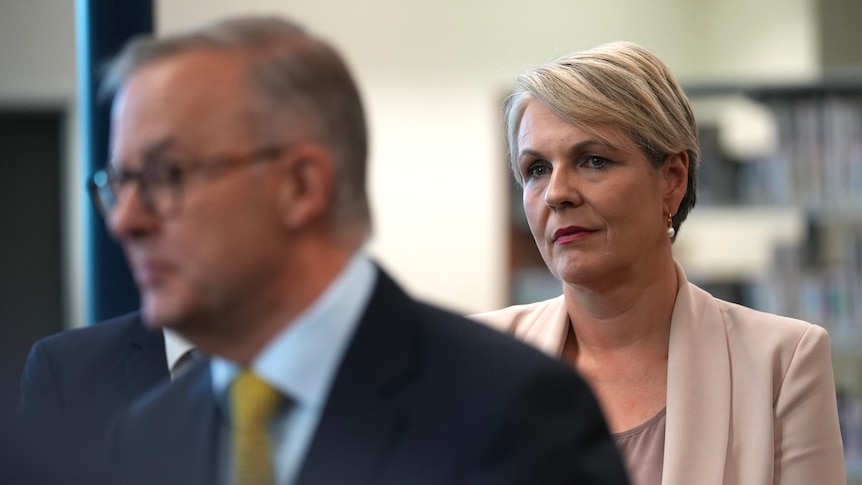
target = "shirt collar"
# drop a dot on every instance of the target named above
(175, 347)
(303, 359)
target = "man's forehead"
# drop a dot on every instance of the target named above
(190, 87)
(188, 105)
(198, 69)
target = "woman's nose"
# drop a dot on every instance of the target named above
(562, 190)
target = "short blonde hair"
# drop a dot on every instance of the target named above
(619, 84)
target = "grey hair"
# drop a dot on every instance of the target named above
(619, 84)
(299, 79)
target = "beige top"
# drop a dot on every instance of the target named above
(750, 396)
(642, 448)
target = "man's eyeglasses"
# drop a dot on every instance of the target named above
(161, 181)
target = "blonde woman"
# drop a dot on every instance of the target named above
(696, 390)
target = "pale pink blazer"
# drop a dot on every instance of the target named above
(750, 395)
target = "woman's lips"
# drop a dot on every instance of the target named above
(570, 234)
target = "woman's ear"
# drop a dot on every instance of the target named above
(675, 173)
(306, 192)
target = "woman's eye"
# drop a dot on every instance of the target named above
(536, 170)
(595, 162)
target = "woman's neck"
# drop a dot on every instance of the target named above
(631, 317)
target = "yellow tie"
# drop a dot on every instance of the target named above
(253, 403)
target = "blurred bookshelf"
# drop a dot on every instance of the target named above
(782, 172)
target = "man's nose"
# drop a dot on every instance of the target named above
(131, 217)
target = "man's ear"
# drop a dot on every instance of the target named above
(675, 173)
(308, 178)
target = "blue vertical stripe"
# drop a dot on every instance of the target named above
(103, 27)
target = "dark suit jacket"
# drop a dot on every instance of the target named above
(422, 397)
(76, 382)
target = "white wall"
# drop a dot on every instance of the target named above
(433, 73)
(37, 52)
(756, 41)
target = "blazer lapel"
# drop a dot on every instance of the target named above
(204, 435)
(362, 420)
(169, 437)
(698, 391)
(145, 363)
(548, 329)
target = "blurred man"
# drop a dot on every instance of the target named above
(237, 190)
(75, 383)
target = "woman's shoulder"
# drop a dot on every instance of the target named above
(767, 328)
(542, 324)
(512, 318)
(742, 315)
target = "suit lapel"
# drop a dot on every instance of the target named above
(204, 436)
(172, 437)
(362, 420)
(145, 363)
(698, 391)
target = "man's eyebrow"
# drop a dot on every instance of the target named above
(157, 147)
(152, 149)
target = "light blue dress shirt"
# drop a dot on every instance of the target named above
(302, 362)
